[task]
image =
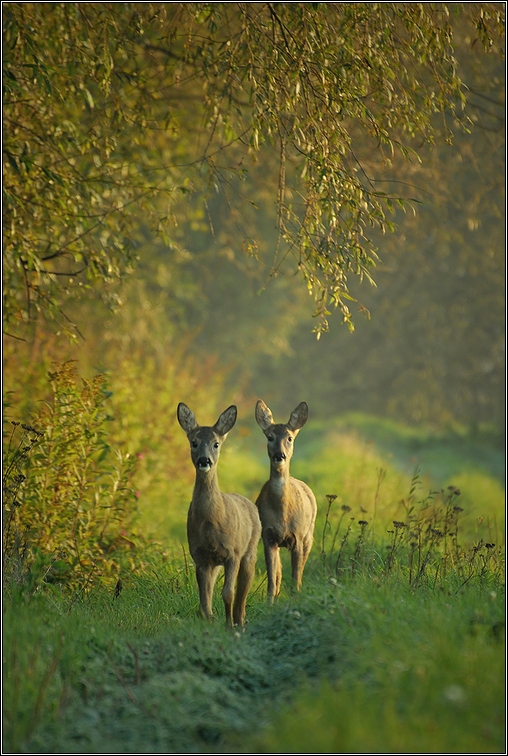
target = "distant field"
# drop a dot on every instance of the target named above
(343, 457)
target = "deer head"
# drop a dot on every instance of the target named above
(205, 441)
(280, 436)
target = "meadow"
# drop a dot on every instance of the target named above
(395, 643)
(194, 194)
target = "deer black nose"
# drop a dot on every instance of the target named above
(280, 457)
(204, 462)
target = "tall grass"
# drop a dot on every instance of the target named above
(425, 546)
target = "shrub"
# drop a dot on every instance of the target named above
(69, 503)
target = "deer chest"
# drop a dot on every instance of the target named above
(208, 542)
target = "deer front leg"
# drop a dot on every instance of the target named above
(297, 564)
(206, 576)
(273, 569)
(228, 592)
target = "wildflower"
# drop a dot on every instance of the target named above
(331, 497)
(363, 523)
(345, 508)
(397, 524)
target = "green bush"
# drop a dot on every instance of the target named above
(69, 502)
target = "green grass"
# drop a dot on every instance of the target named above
(365, 666)
(370, 657)
(441, 454)
(345, 456)
(417, 673)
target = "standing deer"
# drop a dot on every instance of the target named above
(222, 529)
(287, 507)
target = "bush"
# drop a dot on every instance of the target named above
(69, 503)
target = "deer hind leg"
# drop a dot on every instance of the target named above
(245, 576)
(278, 576)
(206, 576)
(307, 546)
(273, 570)
(231, 568)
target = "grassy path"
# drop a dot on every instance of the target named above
(416, 671)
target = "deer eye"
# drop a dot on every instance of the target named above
(216, 445)
(194, 444)
(290, 438)
(270, 437)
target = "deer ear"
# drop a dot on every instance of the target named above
(226, 421)
(186, 418)
(299, 417)
(264, 417)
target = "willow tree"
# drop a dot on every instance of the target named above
(110, 106)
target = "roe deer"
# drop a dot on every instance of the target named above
(287, 507)
(222, 529)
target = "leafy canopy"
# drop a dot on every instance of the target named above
(116, 111)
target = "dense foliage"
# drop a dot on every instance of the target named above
(69, 503)
(112, 110)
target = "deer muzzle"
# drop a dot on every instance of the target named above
(204, 463)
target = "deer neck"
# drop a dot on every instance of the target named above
(279, 480)
(207, 495)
